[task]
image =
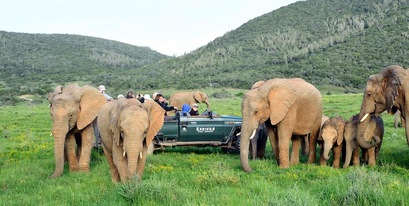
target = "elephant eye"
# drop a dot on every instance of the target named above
(368, 94)
(255, 112)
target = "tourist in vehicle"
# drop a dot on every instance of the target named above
(120, 96)
(185, 110)
(102, 89)
(130, 94)
(194, 111)
(160, 99)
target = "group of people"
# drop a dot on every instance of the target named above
(157, 97)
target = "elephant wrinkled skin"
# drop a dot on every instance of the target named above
(73, 109)
(127, 129)
(288, 107)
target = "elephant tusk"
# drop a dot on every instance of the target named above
(238, 134)
(252, 134)
(363, 118)
(140, 155)
(124, 153)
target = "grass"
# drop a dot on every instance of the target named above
(196, 176)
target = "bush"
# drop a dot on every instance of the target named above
(221, 94)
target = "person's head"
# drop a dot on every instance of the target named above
(129, 94)
(195, 107)
(101, 88)
(160, 98)
(120, 96)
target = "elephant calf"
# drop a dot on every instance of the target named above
(356, 133)
(331, 138)
(127, 128)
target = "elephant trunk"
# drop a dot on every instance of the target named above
(327, 149)
(363, 132)
(59, 131)
(244, 148)
(133, 152)
(350, 146)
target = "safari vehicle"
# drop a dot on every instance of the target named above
(207, 129)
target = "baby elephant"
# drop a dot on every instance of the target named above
(127, 128)
(370, 129)
(331, 137)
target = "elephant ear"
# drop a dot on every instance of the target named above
(341, 129)
(198, 96)
(114, 122)
(90, 104)
(257, 85)
(280, 101)
(392, 78)
(156, 115)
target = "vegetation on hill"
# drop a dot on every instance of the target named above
(331, 44)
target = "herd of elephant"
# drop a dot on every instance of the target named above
(290, 110)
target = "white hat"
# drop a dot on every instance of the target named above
(101, 88)
(195, 105)
(147, 96)
(120, 96)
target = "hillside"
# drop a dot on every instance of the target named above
(35, 63)
(327, 42)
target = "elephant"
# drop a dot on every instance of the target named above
(258, 143)
(73, 109)
(179, 98)
(374, 129)
(386, 90)
(288, 107)
(398, 118)
(127, 128)
(331, 137)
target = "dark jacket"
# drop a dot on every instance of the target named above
(165, 106)
(193, 112)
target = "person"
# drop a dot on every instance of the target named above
(120, 96)
(160, 99)
(129, 94)
(194, 110)
(102, 89)
(185, 110)
(154, 95)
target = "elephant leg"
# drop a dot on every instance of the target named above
(313, 145)
(253, 147)
(295, 151)
(284, 137)
(272, 135)
(141, 162)
(371, 158)
(120, 162)
(70, 144)
(323, 161)
(114, 170)
(337, 149)
(87, 142)
(261, 145)
(355, 157)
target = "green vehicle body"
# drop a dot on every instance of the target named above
(203, 130)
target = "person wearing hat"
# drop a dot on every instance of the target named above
(194, 111)
(102, 89)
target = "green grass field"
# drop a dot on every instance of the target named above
(196, 176)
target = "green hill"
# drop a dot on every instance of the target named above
(327, 42)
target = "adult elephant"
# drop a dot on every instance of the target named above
(179, 98)
(288, 107)
(373, 128)
(387, 90)
(331, 138)
(127, 129)
(73, 109)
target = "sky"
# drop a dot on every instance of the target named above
(171, 27)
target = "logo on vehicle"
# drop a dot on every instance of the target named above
(205, 129)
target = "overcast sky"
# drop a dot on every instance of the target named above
(171, 27)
